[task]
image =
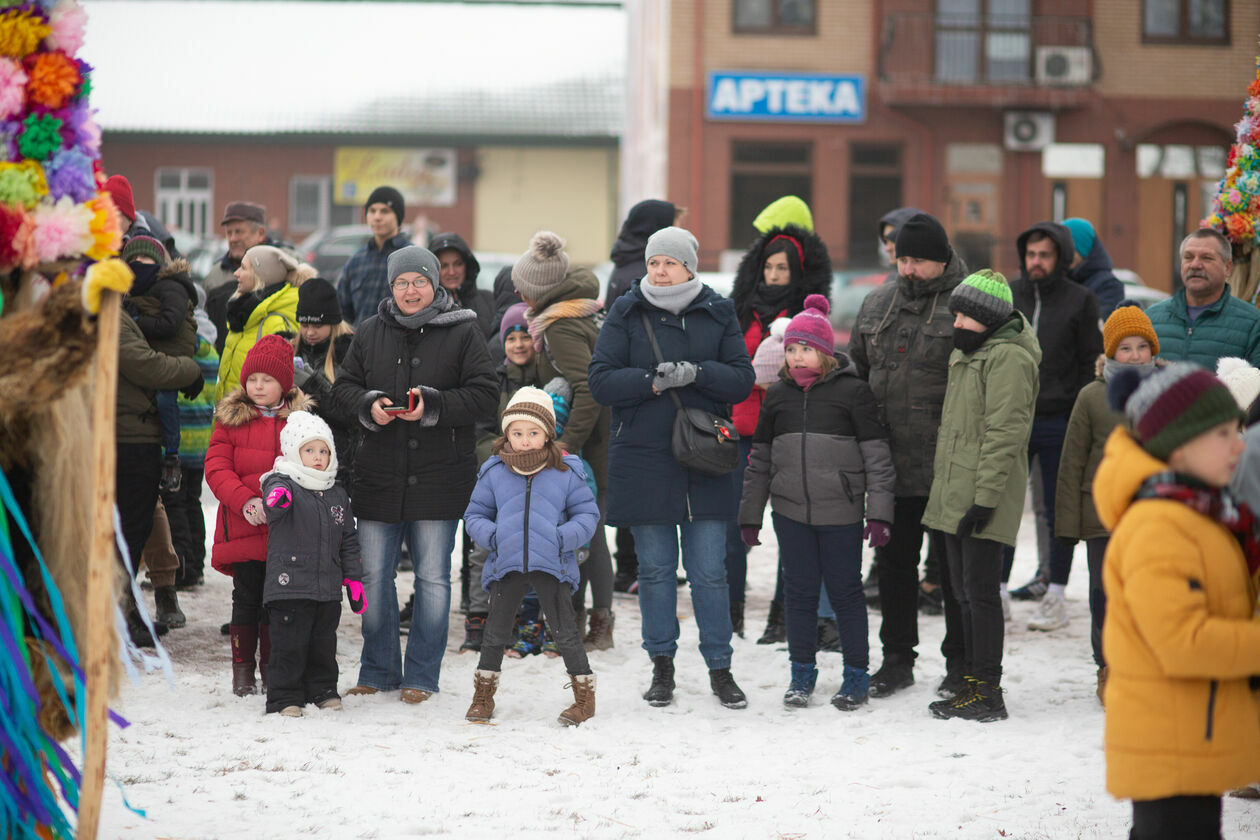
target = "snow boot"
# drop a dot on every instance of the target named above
(661, 691)
(894, 674)
(474, 632)
(264, 654)
(854, 690)
(404, 614)
(485, 683)
(529, 639)
(776, 630)
(955, 682)
(723, 685)
(583, 708)
(172, 475)
(244, 643)
(167, 607)
(804, 677)
(982, 703)
(599, 637)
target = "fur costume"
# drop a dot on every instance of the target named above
(815, 272)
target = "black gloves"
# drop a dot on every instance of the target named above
(975, 519)
(193, 389)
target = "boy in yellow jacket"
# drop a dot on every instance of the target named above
(1180, 573)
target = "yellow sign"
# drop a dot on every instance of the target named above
(425, 177)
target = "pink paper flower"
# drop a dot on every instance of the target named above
(61, 230)
(68, 20)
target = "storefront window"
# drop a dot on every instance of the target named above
(761, 173)
(777, 17)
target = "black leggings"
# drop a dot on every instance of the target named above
(248, 578)
(553, 595)
(1177, 818)
(975, 568)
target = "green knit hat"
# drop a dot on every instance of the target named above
(984, 296)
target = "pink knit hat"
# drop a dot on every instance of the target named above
(812, 327)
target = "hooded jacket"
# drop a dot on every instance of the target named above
(164, 309)
(425, 469)
(142, 371)
(1229, 327)
(1095, 273)
(643, 220)
(901, 345)
(243, 447)
(982, 446)
(815, 279)
(1179, 638)
(1064, 316)
(274, 312)
(896, 218)
(468, 295)
(820, 456)
(531, 523)
(312, 544)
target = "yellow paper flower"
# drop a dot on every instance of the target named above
(20, 34)
(105, 228)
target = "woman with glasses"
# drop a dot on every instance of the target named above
(417, 377)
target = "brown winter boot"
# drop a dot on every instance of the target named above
(167, 604)
(244, 643)
(484, 685)
(583, 708)
(600, 635)
(264, 653)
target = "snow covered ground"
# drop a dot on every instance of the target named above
(206, 764)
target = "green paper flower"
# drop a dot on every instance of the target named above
(40, 137)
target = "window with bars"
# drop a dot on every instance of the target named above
(983, 41)
(184, 198)
(774, 17)
(1185, 21)
(311, 204)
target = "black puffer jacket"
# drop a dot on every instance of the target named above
(643, 220)
(1064, 314)
(163, 308)
(407, 471)
(314, 383)
(815, 275)
(468, 295)
(312, 544)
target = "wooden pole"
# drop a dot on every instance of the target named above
(95, 648)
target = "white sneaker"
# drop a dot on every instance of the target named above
(1006, 605)
(1051, 613)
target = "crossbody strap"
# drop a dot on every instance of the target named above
(656, 351)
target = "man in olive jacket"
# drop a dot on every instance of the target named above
(901, 345)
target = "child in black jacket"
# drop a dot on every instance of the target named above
(312, 550)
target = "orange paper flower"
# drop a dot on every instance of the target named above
(106, 228)
(54, 78)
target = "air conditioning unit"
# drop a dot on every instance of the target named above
(1065, 66)
(1028, 131)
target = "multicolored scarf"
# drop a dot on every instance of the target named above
(575, 308)
(1218, 504)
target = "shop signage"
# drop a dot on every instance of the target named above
(425, 177)
(786, 97)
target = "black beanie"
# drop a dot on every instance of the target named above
(390, 197)
(922, 237)
(317, 303)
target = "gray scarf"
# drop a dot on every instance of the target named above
(1111, 367)
(673, 299)
(441, 302)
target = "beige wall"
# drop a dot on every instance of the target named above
(1131, 68)
(571, 191)
(842, 43)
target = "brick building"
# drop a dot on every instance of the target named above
(992, 114)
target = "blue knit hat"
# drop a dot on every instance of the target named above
(1083, 235)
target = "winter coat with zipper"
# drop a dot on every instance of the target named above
(141, 372)
(243, 448)
(643, 220)
(1064, 315)
(312, 544)
(1091, 422)
(343, 423)
(1229, 327)
(1096, 274)
(567, 345)
(479, 301)
(821, 456)
(163, 309)
(531, 523)
(274, 310)
(512, 378)
(408, 471)
(982, 446)
(646, 486)
(815, 280)
(1180, 641)
(901, 345)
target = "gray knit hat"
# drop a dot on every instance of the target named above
(542, 267)
(413, 258)
(674, 242)
(985, 296)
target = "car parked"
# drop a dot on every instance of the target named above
(848, 290)
(330, 249)
(1136, 290)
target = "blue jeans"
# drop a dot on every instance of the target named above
(1046, 444)
(382, 665)
(704, 559)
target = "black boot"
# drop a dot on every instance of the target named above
(723, 685)
(661, 691)
(404, 614)
(776, 630)
(828, 635)
(981, 702)
(167, 603)
(474, 630)
(737, 618)
(954, 684)
(893, 675)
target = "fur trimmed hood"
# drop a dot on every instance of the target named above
(235, 409)
(815, 272)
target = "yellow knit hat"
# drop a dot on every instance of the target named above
(1124, 322)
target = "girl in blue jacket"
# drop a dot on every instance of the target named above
(531, 509)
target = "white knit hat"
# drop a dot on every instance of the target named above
(768, 360)
(302, 426)
(533, 405)
(1242, 380)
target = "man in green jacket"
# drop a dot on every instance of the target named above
(1203, 322)
(981, 470)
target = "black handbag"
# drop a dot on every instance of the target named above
(702, 441)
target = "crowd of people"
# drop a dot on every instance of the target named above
(346, 428)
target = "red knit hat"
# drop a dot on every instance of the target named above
(119, 189)
(812, 327)
(273, 356)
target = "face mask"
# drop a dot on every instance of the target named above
(145, 274)
(968, 341)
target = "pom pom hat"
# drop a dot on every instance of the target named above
(1124, 322)
(1242, 380)
(768, 360)
(1174, 404)
(984, 296)
(532, 405)
(542, 267)
(273, 356)
(812, 327)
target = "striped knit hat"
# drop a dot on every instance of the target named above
(533, 405)
(1172, 405)
(1124, 322)
(984, 296)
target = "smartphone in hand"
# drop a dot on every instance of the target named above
(402, 409)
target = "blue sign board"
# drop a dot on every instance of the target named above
(786, 97)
